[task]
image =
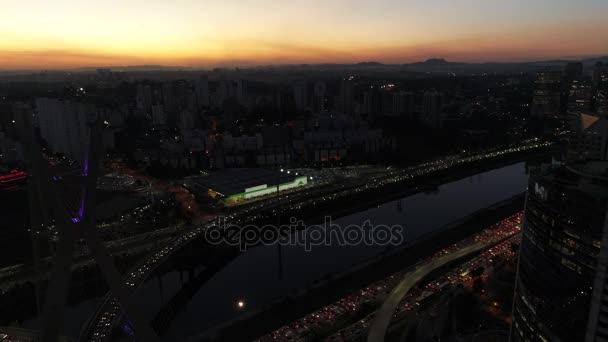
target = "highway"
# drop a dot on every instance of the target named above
(19, 274)
(384, 315)
(14, 334)
(100, 325)
(324, 320)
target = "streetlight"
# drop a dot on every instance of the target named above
(240, 304)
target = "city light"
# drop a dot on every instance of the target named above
(181, 167)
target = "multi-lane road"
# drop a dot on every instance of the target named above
(98, 326)
(384, 315)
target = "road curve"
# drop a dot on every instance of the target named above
(383, 317)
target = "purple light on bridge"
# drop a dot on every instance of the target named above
(127, 329)
(85, 171)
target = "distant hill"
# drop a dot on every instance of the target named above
(435, 61)
(432, 65)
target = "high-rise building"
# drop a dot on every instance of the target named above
(432, 109)
(184, 95)
(187, 121)
(300, 96)
(597, 324)
(202, 91)
(589, 138)
(547, 94)
(601, 103)
(600, 85)
(372, 101)
(159, 117)
(318, 101)
(600, 76)
(403, 104)
(241, 93)
(63, 124)
(346, 99)
(11, 148)
(563, 234)
(579, 96)
(169, 102)
(143, 98)
(221, 92)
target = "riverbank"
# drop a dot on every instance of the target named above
(330, 289)
(359, 201)
(375, 190)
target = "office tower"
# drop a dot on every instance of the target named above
(564, 226)
(318, 100)
(600, 88)
(202, 91)
(600, 76)
(403, 104)
(573, 73)
(300, 96)
(64, 126)
(597, 325)
(589, 138)
(579, 96)
(432, 109)
(547, 93)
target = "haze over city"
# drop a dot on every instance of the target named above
(303, 170)
(69, 34)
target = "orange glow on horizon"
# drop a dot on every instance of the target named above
(67, 33)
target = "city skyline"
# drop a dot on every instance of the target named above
(68, 34)
(304, 170)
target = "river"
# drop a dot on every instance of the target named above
(254, 277)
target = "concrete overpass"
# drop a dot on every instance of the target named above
(383, 317)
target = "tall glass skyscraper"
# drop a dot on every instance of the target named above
(559, 278)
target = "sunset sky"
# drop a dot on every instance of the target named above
(76, 33)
